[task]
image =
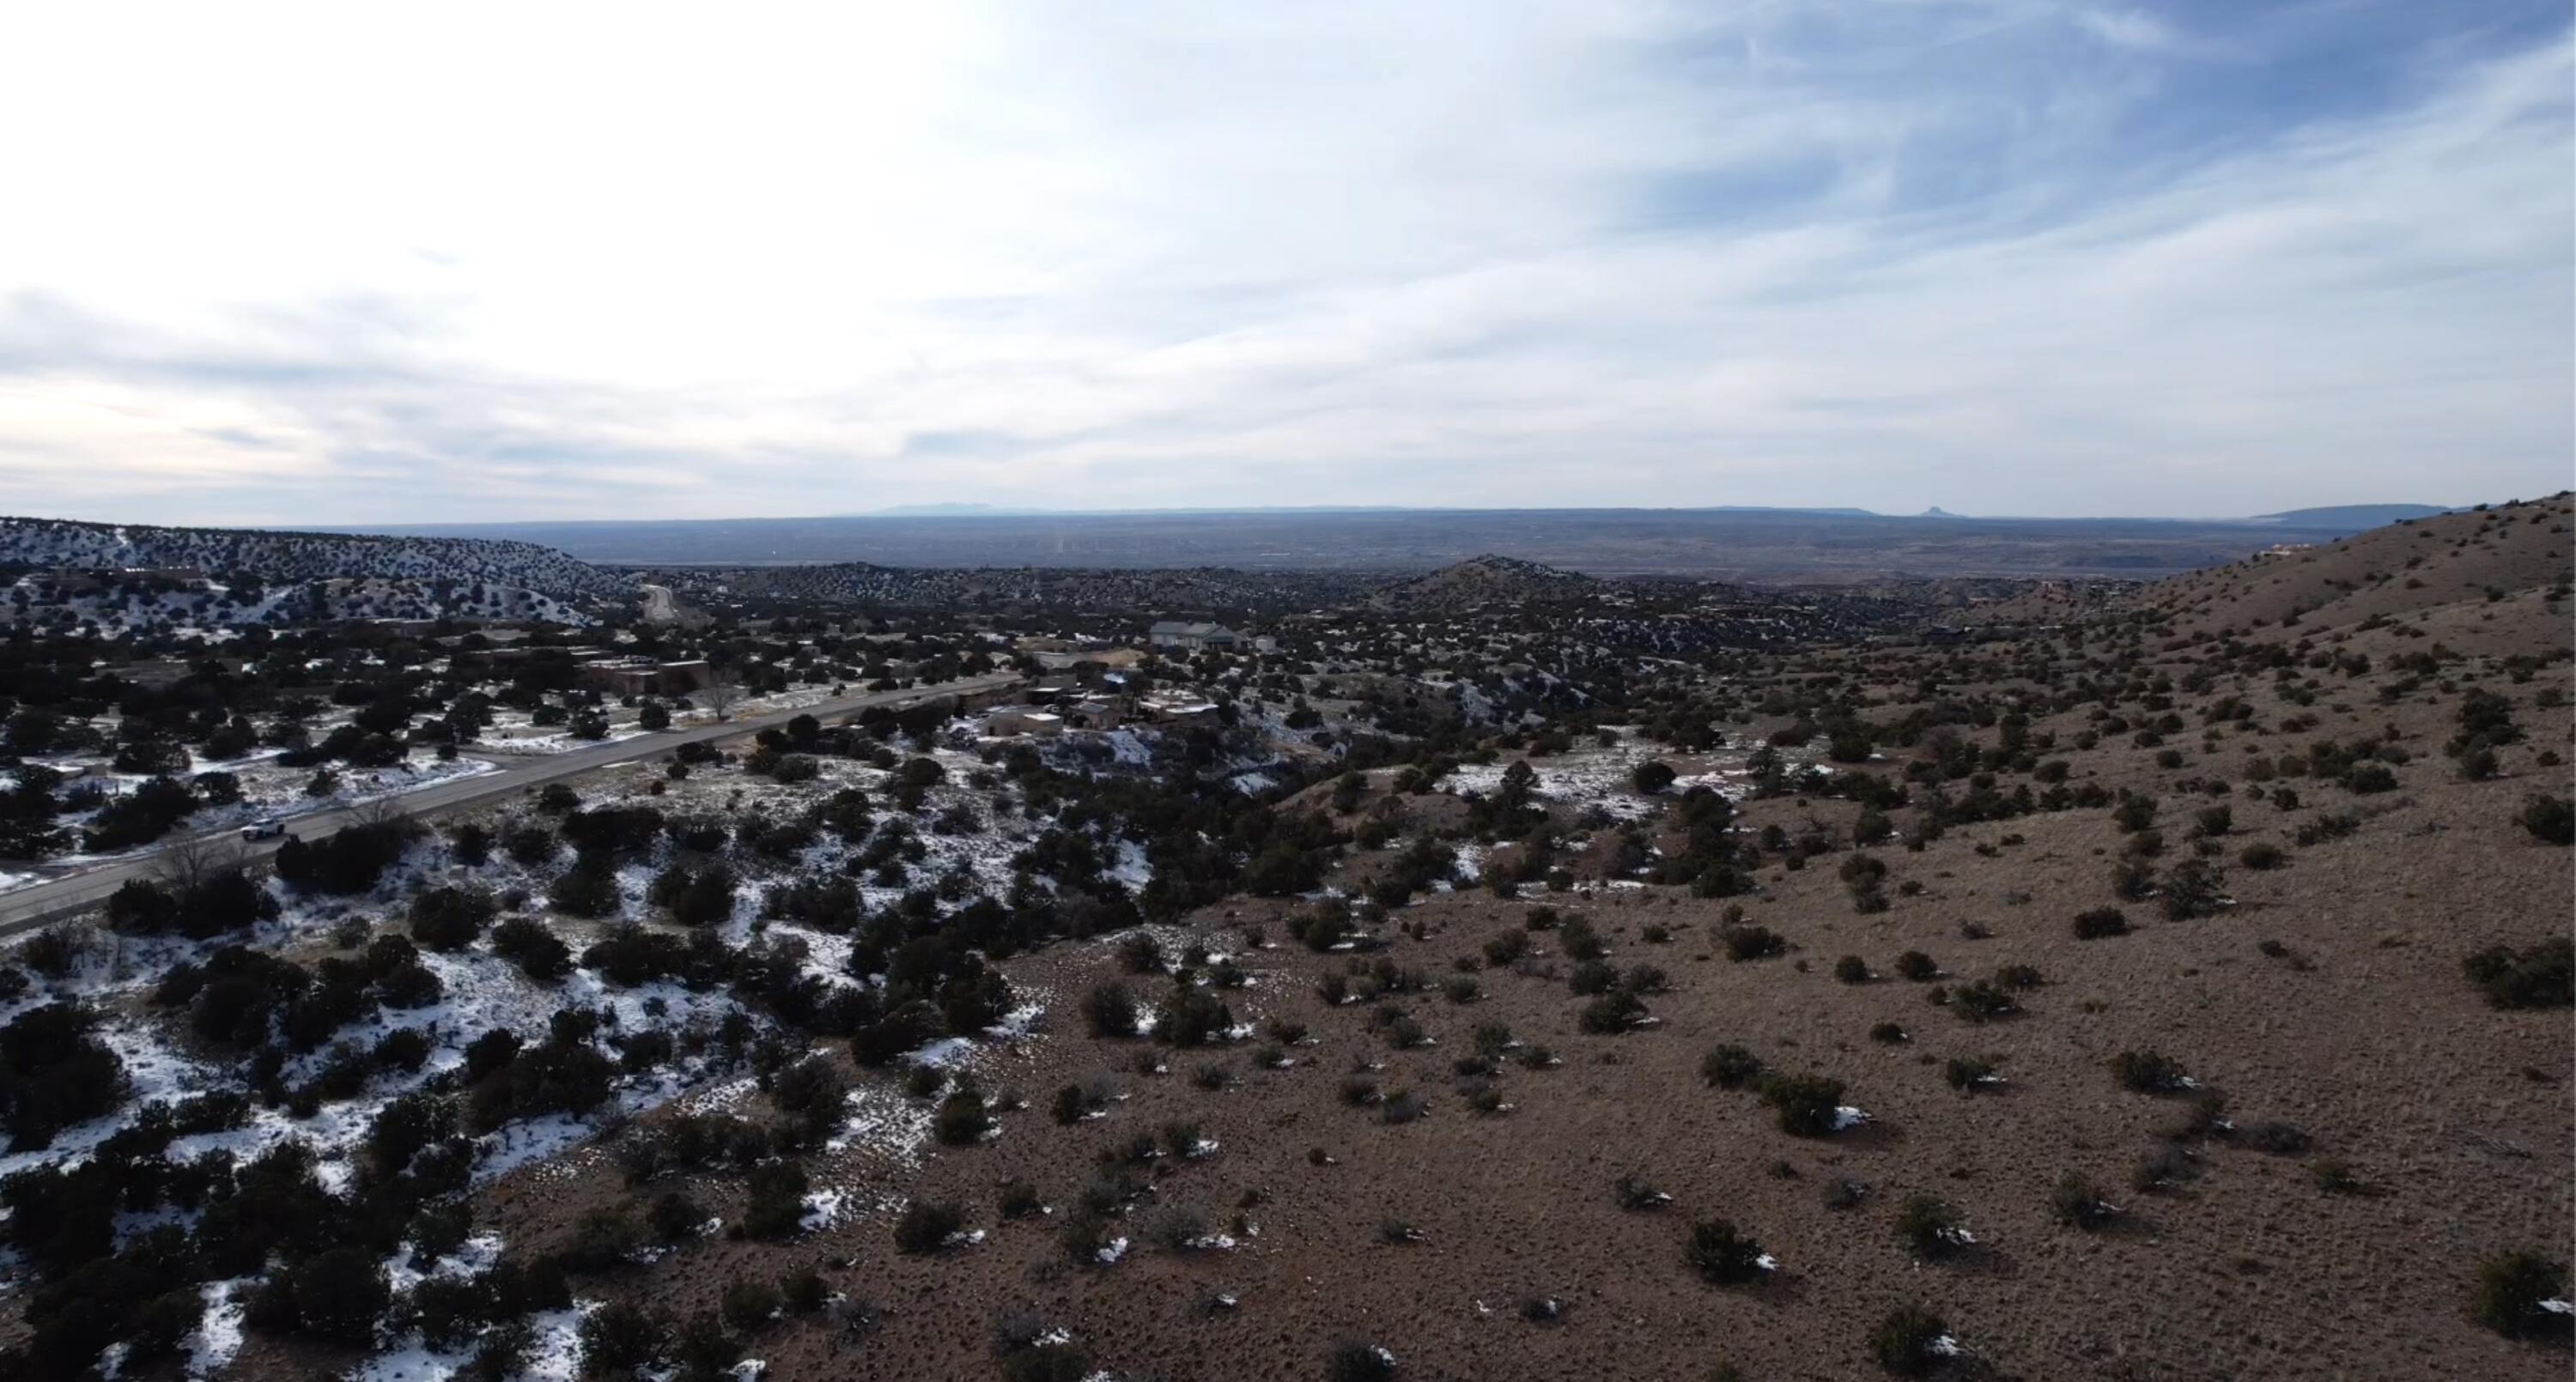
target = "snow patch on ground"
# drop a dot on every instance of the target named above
(477, 1255)
(1131, 871)
(553, 1353)
(943, 1053)
(1591, 777)
(823, 1209)
(219, 1331)
(880, 1121)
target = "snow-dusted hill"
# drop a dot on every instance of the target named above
(283, 558)
(126, 577)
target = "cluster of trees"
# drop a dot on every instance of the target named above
(271, 1007)
(54, 1072)
(350, 860)
(315, 1256)
(199, 896)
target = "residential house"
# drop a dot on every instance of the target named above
(640, 676)
(1192, 637)
(1177, 708)
(1017, 720)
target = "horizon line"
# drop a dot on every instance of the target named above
(941, 512)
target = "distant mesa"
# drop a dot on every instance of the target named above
(1792, 511)
(945, 511)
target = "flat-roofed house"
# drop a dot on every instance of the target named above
(1016, 720)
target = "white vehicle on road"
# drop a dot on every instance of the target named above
(265, 828)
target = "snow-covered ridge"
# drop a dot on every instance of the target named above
(299, 557)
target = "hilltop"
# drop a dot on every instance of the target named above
(1486, 580)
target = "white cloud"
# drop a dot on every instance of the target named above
(314, 264)
(2134, 28)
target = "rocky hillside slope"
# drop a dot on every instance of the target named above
(2488, 574)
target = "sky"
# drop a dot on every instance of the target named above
(405, 264)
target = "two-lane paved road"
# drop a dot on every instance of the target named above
(38, 903)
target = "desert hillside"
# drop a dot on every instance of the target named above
(1674, 983)
(2421, 570)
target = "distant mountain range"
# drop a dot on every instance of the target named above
(1480, 555)
(1001, 511)
(1729, 543)
(2342, 515)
